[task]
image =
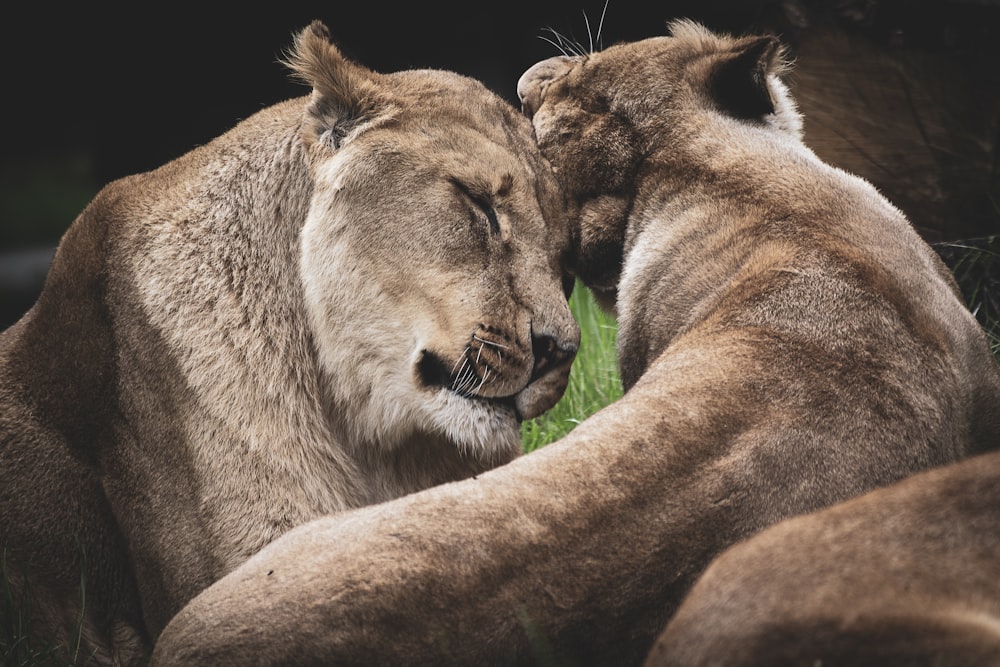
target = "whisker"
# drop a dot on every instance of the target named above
(580, 51)
(490, 342)
(561, 49)
(460, 388)
(466, 368)
(566, 45)
(462, 357)
(468, 379)
(558, 36)
(590, 35)
(486, 375)
(600, 25)
(461, 372)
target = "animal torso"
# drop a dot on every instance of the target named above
(331, 305)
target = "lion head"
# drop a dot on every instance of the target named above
(431, 255)
(599, 116)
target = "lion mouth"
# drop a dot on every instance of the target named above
(434, 372)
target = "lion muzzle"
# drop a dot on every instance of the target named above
(549, 375)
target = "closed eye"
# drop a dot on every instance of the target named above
(491, 215)
(483, 204)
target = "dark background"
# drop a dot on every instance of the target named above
(905, 93)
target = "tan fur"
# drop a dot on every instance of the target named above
(786, 341)
(348, 297)
(904, 576)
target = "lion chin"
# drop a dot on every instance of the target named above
(484, 427)
(490, 427)
(477, 414)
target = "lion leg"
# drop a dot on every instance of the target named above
(66, 592)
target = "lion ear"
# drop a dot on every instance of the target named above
(738, 82)
(345, 95)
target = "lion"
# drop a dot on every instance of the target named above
(903, 575)
(786, 341)
(348, 297)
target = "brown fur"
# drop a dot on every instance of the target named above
(904, 576)
(786, 341)
(348, 297)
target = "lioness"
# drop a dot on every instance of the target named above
(786, 341)
(903, 576)
(348, 297)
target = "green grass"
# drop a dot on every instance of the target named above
(975, 264)
(19, 646)
(593, 381)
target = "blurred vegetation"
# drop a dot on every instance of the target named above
(976, 266)
(593, 380)
(39, 200)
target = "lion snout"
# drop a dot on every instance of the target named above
(542, 394)
(550, 353)
(553, 358)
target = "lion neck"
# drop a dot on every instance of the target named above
(419, 462)
(710, 204)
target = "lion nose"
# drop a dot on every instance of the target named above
(550, 353)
